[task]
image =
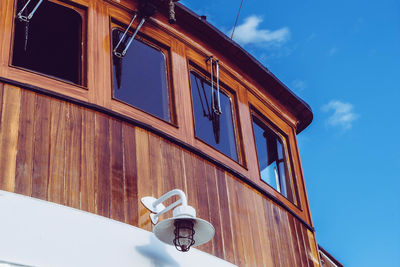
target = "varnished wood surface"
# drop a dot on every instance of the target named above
(65, 153)
(184, 46)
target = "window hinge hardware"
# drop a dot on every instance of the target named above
(122, 54)
(216, 107)
(27, 18)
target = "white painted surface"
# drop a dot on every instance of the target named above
(44, 234)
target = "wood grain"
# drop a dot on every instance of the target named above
(102, 151)
(57, 166)
(117, 181)
(9, 136)
(130, 174)
(24, 160)
(88, 169)
(41, 156)
(87, 159)
(145, 184)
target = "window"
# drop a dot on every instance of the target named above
(140, 78)
(272, 159)
(51, 42)
(216, 130)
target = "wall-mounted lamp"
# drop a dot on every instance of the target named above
(183, 230)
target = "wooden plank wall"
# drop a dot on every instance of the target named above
(68, 154)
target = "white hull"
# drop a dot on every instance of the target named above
(44, 234)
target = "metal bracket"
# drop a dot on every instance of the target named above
(27, 18)
(122, 54)
(216, 107)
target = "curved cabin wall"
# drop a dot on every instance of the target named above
(65, 153)
(75, 146)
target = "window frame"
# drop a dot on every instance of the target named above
(164, 49)
(258, 118)
(231, 96)
(160, 38)
(79, 8)
(230, 88)
(281, 119)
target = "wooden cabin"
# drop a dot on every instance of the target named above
(186, 107)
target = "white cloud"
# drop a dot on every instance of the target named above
(250, 33)
(343, 114)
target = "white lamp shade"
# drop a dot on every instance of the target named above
(204, 230)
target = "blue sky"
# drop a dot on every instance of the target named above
(343, 59)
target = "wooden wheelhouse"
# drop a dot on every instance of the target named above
(85, 128)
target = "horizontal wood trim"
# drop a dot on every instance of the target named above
(161, 134)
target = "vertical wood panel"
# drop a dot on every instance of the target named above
(272, 232)
(233, 200)
(102, 150)
(88, 165)
(191, 178)
(41, 156)
(286, 238)
(24, 161)
(307, 246)
(156, 172)
(314, 250)
(203, 211)
(245, 233)
(59, 113)
(177, 167)
(130, 174)
(73, 156)
(254, 233)
(225, 215)
(145, 183)
(215, 220)
(9, 136)
(300, 238)
(261, 226)
(117, 182)
(296, 244)
(168, 170)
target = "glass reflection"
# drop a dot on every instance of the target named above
(140, 78)
(219, 133)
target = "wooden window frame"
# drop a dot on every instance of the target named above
(165, 50)
(159, 39)
(197, 62)
(277, 117)
(266, 123)
(232, 97)
(43, 80)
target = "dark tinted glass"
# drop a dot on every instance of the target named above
(51, 42)
(271, 159)
(201, 94)
(140, 78)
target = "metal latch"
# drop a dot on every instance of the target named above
(216, 107)
(122, 54)
(27, 18)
